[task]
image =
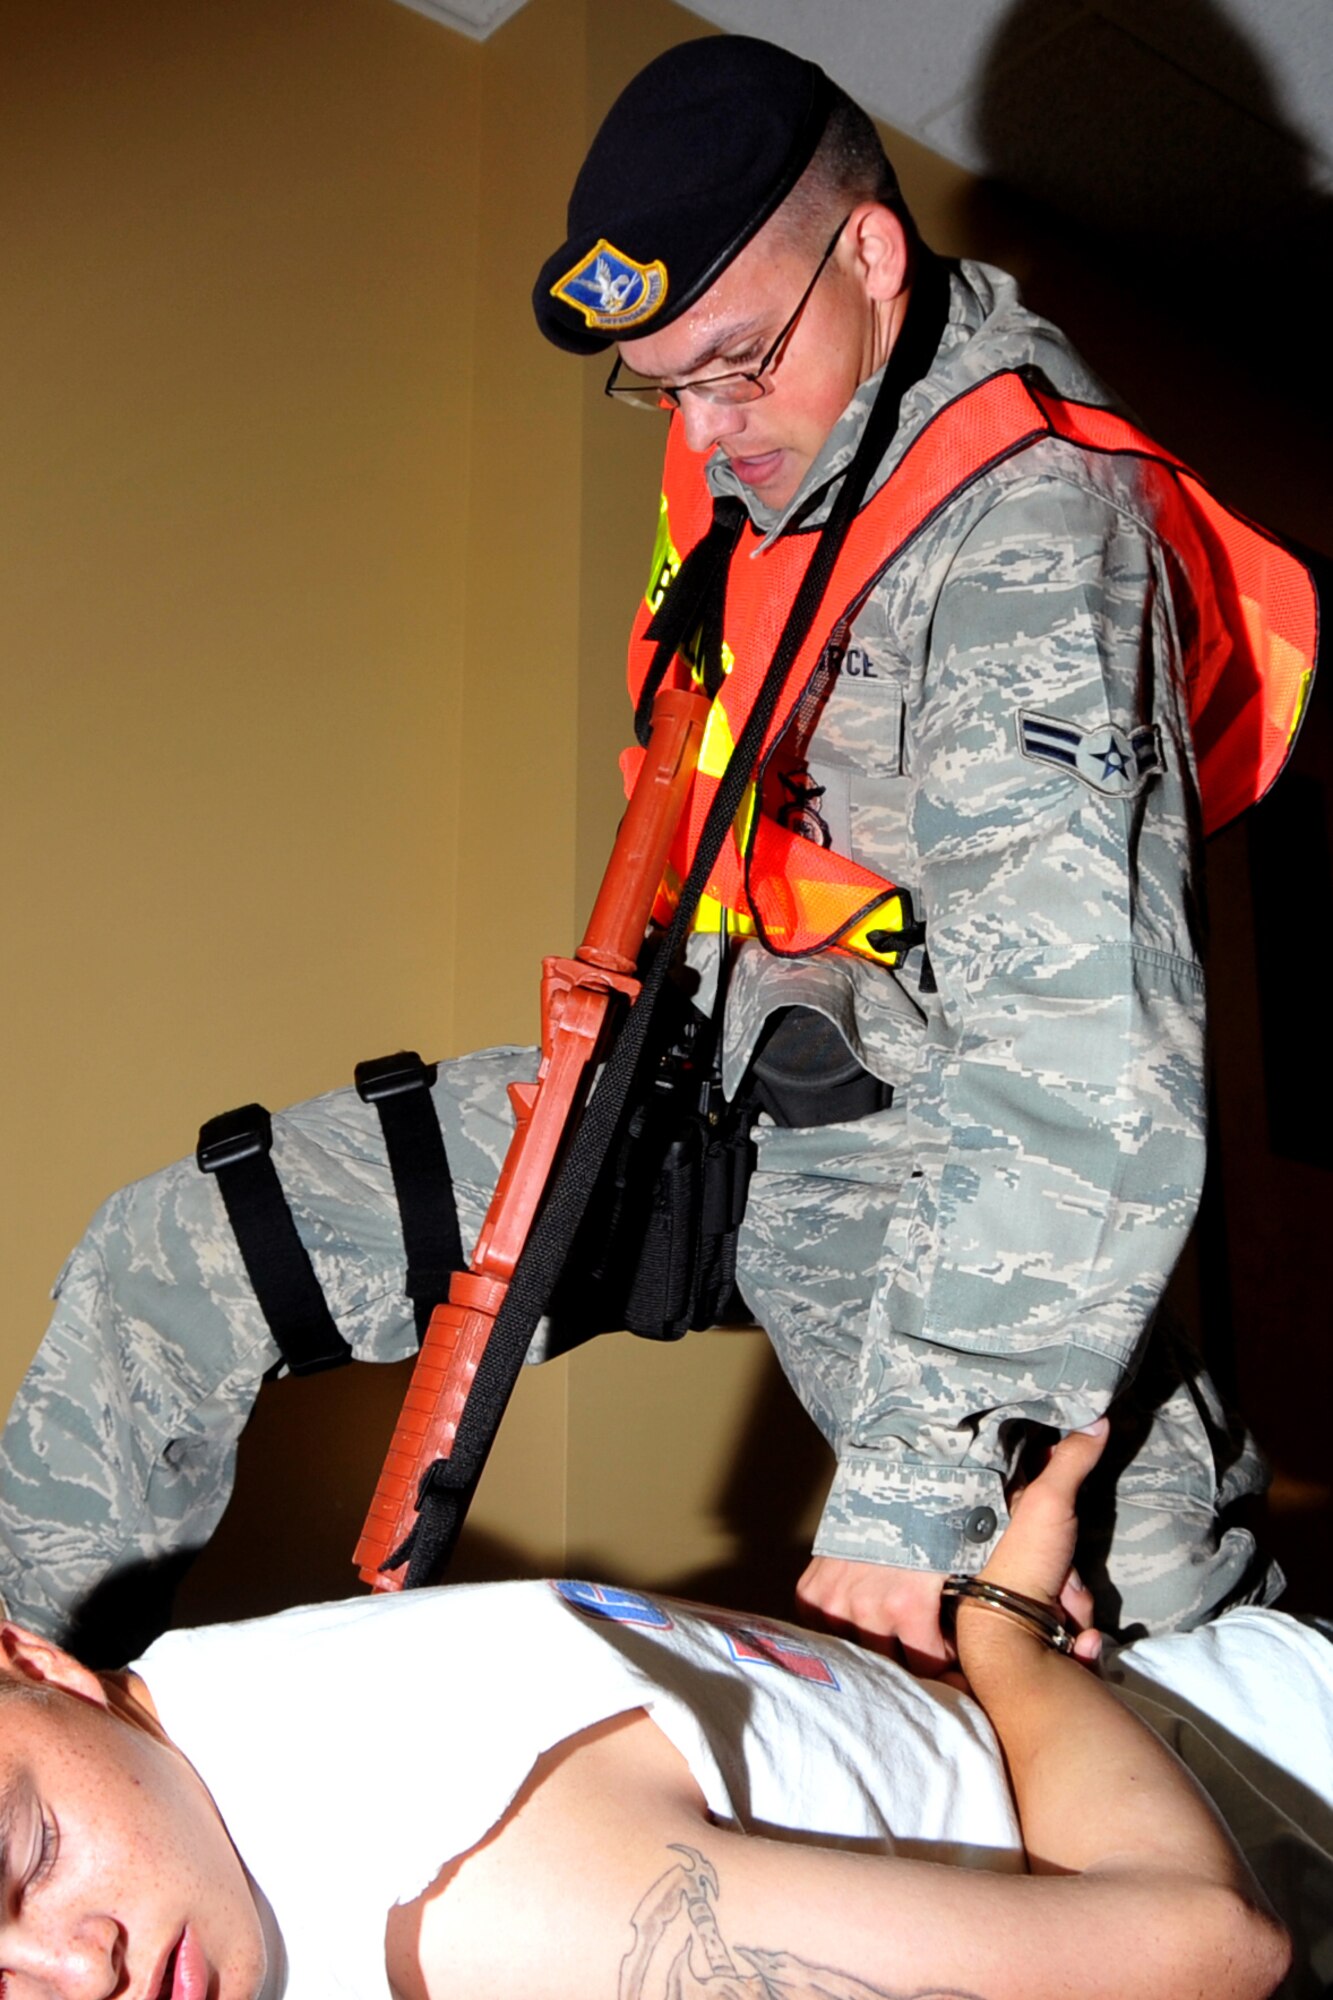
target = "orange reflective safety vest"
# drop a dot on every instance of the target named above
(1249, 674)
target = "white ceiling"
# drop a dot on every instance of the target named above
(1248, 72)
(1175, 117)
(1179, 118)
(475, 18)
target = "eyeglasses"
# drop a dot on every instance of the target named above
(738, 385)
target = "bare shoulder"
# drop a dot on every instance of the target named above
(516, 1912)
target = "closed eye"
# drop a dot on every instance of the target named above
(39, 1851)
(48, 1853)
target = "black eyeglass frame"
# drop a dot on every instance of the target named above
(667, 395)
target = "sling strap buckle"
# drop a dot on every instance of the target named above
(393, 1076)
(233, 1136)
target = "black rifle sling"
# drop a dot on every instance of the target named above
(692, 604)
(447, 1486)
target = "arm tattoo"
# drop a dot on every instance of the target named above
(679, 1952)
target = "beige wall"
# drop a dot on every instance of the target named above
(314, 641)
(316, 569)
(238, 356)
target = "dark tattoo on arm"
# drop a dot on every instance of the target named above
(679, 1952)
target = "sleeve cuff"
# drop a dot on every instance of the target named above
(912, 1515)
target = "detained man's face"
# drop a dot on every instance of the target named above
(118, 1876)
(844, 334)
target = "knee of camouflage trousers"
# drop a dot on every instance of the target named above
(120, 1447)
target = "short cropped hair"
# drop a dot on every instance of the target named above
(848, 166)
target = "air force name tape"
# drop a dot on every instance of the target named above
(1115, 762)
(611, 290)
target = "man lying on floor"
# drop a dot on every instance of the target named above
(565, 1792)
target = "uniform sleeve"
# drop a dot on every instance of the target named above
(1057, 1113)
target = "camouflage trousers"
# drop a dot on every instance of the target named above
(120, 1446)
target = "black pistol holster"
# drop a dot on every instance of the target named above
(656, 1252)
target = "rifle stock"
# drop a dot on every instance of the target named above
(582, 1000)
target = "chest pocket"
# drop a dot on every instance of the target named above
(856, 767)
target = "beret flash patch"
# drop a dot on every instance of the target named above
(611, 290)
(1115, 762)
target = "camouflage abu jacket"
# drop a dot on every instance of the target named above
(1008, 1225)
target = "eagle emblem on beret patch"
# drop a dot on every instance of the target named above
(612, 291)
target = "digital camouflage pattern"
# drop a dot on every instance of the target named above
(1004, 734)
(121, 1444)
(988, 1252)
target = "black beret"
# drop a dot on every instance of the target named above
(690, 161)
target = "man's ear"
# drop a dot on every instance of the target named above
(26, 1657)
(880, 248)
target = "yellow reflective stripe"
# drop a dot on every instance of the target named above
(712, 915)
(886, 916)
(697, 665)
(666, 559)
(745, 812)
(718, 743)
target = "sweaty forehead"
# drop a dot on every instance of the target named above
(25, 1710)
(748, 300)
(689, 346)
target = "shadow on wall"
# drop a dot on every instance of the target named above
(1189, 180)
(766, 1500)
(288, 1539)
(1177, 229)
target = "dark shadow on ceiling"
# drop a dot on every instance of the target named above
(1159, 133)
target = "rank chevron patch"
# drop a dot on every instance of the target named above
(1115, 762)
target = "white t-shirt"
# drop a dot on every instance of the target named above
(354, 1749)
(1247, 1704)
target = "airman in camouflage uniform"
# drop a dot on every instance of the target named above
(1003, 735)
(991, 1250)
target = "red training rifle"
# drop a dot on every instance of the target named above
(583, 998)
